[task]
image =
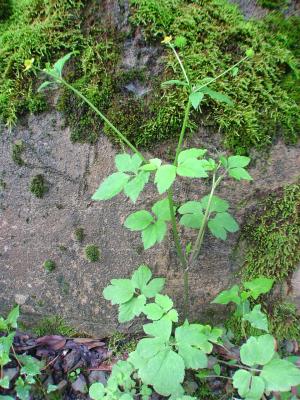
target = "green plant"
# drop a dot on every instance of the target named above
(49, 265)
(16, 152)
(173, 351)
(5, 9)
(38, 186)
(273, 4)
(92, 253)
(79, 234)
(54, 325)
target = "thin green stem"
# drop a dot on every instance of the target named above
(218, 376)
(222, 74)
(200, 237)
(181, 64)
(238, 366)
(99, 113)
(183, 129)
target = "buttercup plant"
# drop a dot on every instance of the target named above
(134, 172)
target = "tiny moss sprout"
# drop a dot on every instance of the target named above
(49, 265)
(16, 152)
(79, 234)
(92, 253)
(38, 186)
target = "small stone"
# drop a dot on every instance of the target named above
(80, 385)
(11, 373)
(190, 387)
(20, 299)
(98, 376)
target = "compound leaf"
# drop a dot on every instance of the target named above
(136, 185)
(154, 233)
(138, 220)
(111, 186)
(132, 308)
(154, 286)
(190, 153)
(120, 291)
(164, 177)
(238, 161)
(217, 204)
(141, 277)
(192, 168)
(162, 210)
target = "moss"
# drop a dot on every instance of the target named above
(5, 9)
(54, 325)
(16, 152)
(79, 234)
(119, 344)
(217, 36)
(38, 29)
(273, 236)
(49, 265)
(273, 4)
(92, 253)
(38, 186)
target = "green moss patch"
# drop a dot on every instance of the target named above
(92, 253)
(54, 325)
(49, 265)
(273, 236)
(217, 36)
(38, 186)
(16, 152)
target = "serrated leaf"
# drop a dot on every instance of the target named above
(258, 351)
(160, 329)
(164, 302)
(162, 210)
(240, 173)
(193, 221)
(192, 168)
(196, 98)
(126, 163)
(227, 296)
(258, 286)
(190, 153)
(111, 186)
(220, 97)
(154, 233)
(31, 366)
(189, 341)
(280, 375)
(120, 291)
(13, 316)
(132, 308)
(136, 185)
(238, 161)
(217, 204)
(59, 65)
(153, 311)
(221, 223)
(172, 315)
(155, 286)
(141, 277)
(164, 177)
(96, 391)
(138, 220)
(257, 318)
(4, 382)
(190, 207)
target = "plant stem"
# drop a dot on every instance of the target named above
(99, 113)
(238, 366)
(199, 240)
(181, 65)
(183, 129)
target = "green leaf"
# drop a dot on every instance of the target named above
(174, 82)
(52, 388)
(250, 53)
(190, 207)
(13, 316)
(59, 65)
(257, 318)
(189, 341)
(280, 375)
(249, 386)
(120, 291)
(240, 173)
(44, 85)
(154, 233)
(226, 296)
(258, 351)
(259, 286)
(126, 163)
(6, 397)
(5, 345)
(97, 391)
(153, 164)
(31, 366)
(164, 371)
(160, 329)
(172, 315)
(136, 185)
(217, 204)
(193, 215)
(141, 277)
(192, 168)
(234, 71)
(220, 97)
(132, 308)
(238, 161)
(190, 153)
(111, 186)
(4, 382)
(217, 369)
(162, 210)
(153, 311)
(155, 286)
(164, 177)
(221, 223)
(196, 98)
(3, 324)
(138, 221)
(164, 302)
